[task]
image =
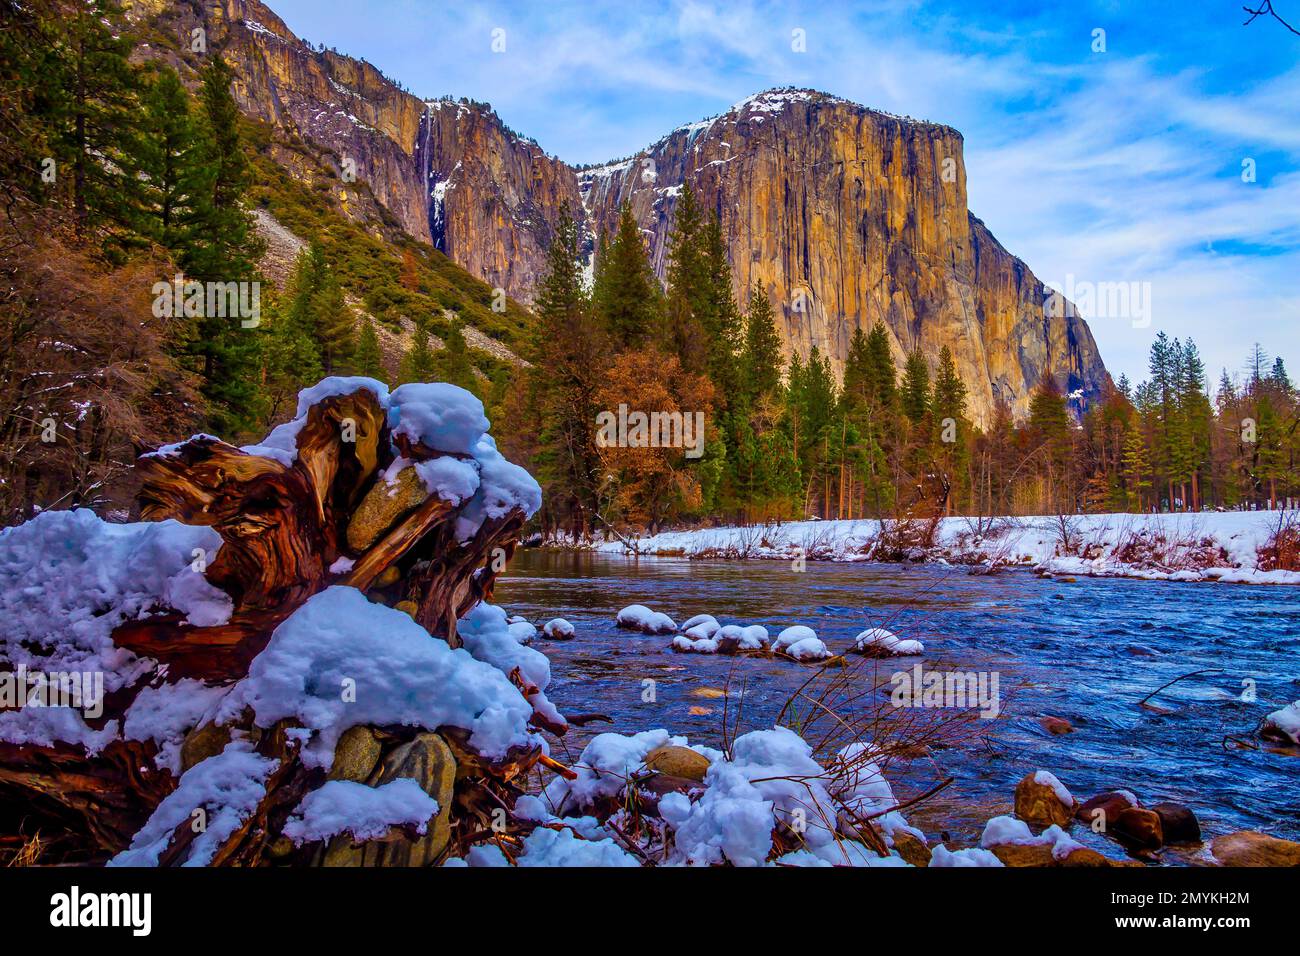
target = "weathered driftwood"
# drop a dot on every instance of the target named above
(282, 527)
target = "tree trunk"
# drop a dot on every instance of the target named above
(282, 529)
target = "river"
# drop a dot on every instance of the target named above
(1086, 651)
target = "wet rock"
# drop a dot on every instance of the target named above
(383, 504)
(1109, 805)
(1039, 802)
(911, 848)
(677, 762)
(1057, 725)
(1139, 828)
(1040, 854)
(1251, 848)
(1178, 823)
(429, 761)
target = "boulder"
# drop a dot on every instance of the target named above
(1110, 805)
(1139, 828)
(383, 504)
(1040, 801)
(1178, 823)
(677, 762)
(911, 848)
(429, 761)
(1251, 848)
(356, 755)
(1057, 725)
(1040, 854)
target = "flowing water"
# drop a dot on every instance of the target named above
(1087, 651)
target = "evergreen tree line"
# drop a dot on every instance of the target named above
(786, 440)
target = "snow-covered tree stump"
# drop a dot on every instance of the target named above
(367, 515)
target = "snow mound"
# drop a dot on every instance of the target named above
(792, 635)
(879, 642)
(365, 812)
(339, 661)
(638, 617)
(486, 636)
(1285, 722)
(698, 620)
(809, 649)
(67, 579)
(558, 629)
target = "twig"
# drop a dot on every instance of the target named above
(1212, 670)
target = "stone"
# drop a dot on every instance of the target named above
(356, 755)
(407, 607)
(203, 742)
(382, 506)
(429, 761)
(1139, 828)
(1178, 823)
(388, 577)
(911, 848)
(1057, 725)
(1040, 854)
(1110, 805)
(1252, 848)
(1038, 804)
(677, 762)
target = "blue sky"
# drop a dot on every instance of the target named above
(1122, 166)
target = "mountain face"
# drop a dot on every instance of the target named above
(845, 216)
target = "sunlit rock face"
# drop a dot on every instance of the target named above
(844, 215)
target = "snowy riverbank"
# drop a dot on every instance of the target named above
(1229, 547)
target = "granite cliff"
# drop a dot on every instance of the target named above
(844, 215)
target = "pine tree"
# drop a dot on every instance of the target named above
(453, 363)
(859, 386)
(688, 280)
(335, 326)
(761, 361)
(1279, 378)
(369, 359)
(418, 363)
(171, 167)
(626, 293)
(915, 390)
(949, 390)
(93, 107)
(883, 375)
(1137, 469)
(227, 247)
